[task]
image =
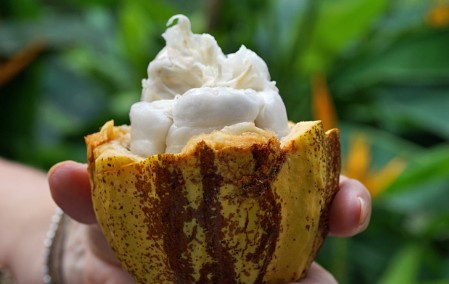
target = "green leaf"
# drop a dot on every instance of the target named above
(426, 108)
(136, 30)
(419, 57)
(441, 281)
(436, 227)
(403, 17)
(339, 25)
(423, 187)
(431, 165)
(278, 29)
(24, 9)
(88, 3)
(114, 70)
(404, 267)
(141, 24)
(120, 103)
(56, 31)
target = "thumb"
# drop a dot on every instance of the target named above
(70, 189)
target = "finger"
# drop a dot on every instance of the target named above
(99, 247)
(351, 209)
(99, 271)
(70, 189)
(88, 258)
(318, 275)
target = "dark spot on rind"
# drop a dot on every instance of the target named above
(172, 206)
(222, 269)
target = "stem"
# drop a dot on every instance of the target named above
(212, 11)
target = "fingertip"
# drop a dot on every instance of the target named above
(350, 212)
(70, 189)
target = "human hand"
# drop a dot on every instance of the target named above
(87, 256)
(90, 260)
(349, 215)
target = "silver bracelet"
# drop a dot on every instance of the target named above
(53, 245)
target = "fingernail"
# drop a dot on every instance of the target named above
(363, 211)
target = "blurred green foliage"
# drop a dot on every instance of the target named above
(386, 64)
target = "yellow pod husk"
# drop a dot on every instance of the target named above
(229, 208)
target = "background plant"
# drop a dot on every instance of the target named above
(379, 70)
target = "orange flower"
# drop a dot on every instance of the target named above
(438, 16)
(323, 106)
(357, 163)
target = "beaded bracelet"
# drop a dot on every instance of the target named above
(53, 245)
